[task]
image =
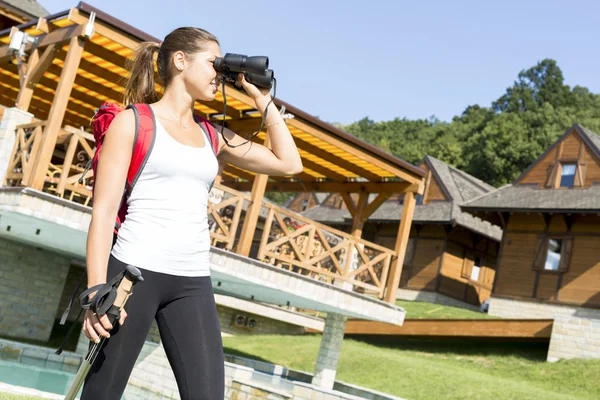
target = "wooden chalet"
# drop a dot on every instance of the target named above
(76, 59)
(449, 251)
(551, 219)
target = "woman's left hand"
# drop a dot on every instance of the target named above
(261, 96)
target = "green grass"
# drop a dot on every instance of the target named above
(422, 310)
(417, 369)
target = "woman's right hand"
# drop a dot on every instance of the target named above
(94, 327)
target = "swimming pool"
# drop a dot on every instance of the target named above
(34, 377)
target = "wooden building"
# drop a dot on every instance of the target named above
(15, 12)
(449, 251)
(551, 219)
(304, 200)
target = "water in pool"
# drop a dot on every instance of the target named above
(30, 376)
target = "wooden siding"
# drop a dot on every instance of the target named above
(578, 285)
(539, 173)
(581, 283)
(557, 224)
(592, 167)
(434, 192)
(526, 222)
(571, 149)
(586, 224)
(426, 261)
(547, 285)
(515, 276)
(451, 282)
(436, 231)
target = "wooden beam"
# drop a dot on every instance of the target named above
(329, 187)
(57, 112)
(101, 29)
(90, 84)
(44, 26)
(97, 70)
(349, 202)
(375, 204)
(314, 166)
(252, 212)
(393, 280)
(42, 94)
(239, 172)
(357, 219)
(25, 92)
(427, 186)
(339, 143)
(37, 71)
(62, 35)
(244, 126)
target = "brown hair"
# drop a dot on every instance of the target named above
(140, 87)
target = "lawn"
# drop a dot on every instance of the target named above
(417, 369)
(422, 310)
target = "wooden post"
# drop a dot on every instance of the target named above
(393, 281)
(26, 92)
(57, 112)
(358, 221)
(256, 197)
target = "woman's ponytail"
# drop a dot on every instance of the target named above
(140, 87)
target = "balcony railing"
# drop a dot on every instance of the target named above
(283, 238)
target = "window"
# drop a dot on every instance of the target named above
(304, 205)
(553, 255)
(476, 269)
(567, 175)
(419, 199)
(472, 264)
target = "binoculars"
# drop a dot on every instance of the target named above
(255, 69)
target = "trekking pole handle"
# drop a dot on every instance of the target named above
(132, 276)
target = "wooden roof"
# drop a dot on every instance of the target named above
(334, 161)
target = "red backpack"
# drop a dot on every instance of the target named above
(145, 131)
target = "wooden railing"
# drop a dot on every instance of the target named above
(288, 240)
(23, 156)
(298, 244)
(73, 150)
(225, 208)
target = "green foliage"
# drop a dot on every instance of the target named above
(496, 143)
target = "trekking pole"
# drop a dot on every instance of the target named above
(131, 276)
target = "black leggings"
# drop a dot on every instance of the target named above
(185, 310)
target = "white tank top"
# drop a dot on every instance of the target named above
(166, 227)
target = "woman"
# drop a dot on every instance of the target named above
(166, 231)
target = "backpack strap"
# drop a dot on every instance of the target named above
(210, 131)
(145, 136)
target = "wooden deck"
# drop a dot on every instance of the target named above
(456, 328)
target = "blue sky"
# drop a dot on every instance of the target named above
(345, 60)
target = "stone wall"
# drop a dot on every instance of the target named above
(574, 337)
(521, 309)
(31, 285)
(73, 278)
(11, 118)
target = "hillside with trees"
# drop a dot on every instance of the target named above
(494, 143)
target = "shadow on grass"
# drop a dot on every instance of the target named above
(235, 352)
(530, 350)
